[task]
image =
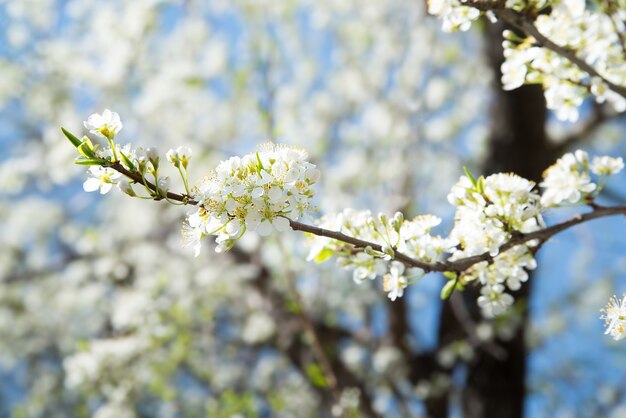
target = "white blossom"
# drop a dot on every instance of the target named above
(614, 316)
(102, 178)
(394, 281)
(106, 125)
(606, 166)
(258, 192)
(567, 180)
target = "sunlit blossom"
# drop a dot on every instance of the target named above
(106, 125)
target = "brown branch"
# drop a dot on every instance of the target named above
(457, 266)
(593, 122)
(469, 326)
(142, 180)
(316, 344)
(525, 24)
(463, 264)
(612, 10)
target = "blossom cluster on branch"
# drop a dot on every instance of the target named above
(572, 49)
(497, 229)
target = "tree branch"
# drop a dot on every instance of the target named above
(457, 266)
(525, 24)
(469, 326)
(464, 263)
(138, 178)
(598, 116)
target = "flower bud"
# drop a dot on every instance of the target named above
(370, 251)
(152, 153)
(388, 251)
(172, 157)
(125, 186)
(184, 155)
(164, 185)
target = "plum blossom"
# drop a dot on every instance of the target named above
(394, 282)
(106, 125)
(257, 192)
(488, 210)
(567, 180)
(411, 237)
(614, 316)
(606, 166)
(179, 156)
(102, 178)
(454, 14)
(493, 301)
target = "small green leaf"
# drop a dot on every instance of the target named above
(75, 141)
(86, 150)
(89, 161)
(447, 289)
(323, 255)
(258, 159)
(480, 185)
(450, 275)
(128, 162)
(315, 375)
(469, 175)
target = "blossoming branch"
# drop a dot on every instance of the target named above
(498, 224)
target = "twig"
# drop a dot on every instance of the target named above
(464, 263)
(469, 326)
(457, 266)
(142, 180)
(594, 121)
(525, 24)
(316, 344)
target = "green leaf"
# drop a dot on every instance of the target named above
(128, 162)
(447, 289)
(86, 150)
(258, 159)
(324, 255)
(480, 185)
(450, 275)
(89, 161)
(315, 375)
(75, 141)
(469, 175)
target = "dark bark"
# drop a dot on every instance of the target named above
(518, 143)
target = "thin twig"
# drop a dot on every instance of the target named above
(525, 24)
(469, 326)
(463, 264)
(457, 266)
(316, 344)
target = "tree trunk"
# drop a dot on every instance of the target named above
(495, 388)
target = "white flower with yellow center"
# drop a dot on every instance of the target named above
(614, 316)
(606, 166)
(106, 125)
(102, 178)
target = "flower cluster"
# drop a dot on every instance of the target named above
(568, 180)
(259, 192)
(614, 316)
(564, 83)
(271, 188)
(454, 14)
(140, 161)
(508, 270)
(592, 34)
(411, 238)
(488, 212)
